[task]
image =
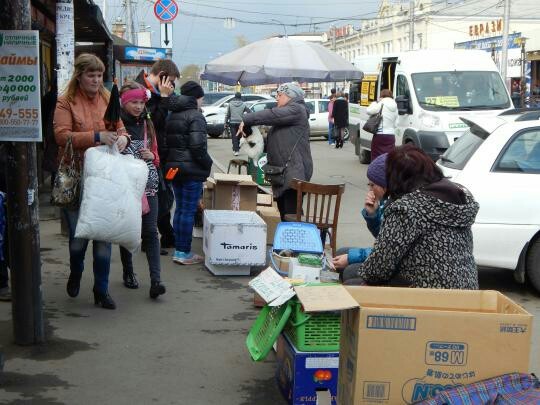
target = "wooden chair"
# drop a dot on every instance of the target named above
(321, 204)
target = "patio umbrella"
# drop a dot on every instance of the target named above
(279, 60)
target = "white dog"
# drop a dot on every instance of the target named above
(253, 145)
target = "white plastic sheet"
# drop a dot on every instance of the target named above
(111, 209)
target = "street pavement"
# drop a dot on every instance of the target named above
(188, 347)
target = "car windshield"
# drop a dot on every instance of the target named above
(462, 91)
(459, 153)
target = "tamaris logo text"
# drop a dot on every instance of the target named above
(230, 246)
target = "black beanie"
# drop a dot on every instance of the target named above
(193, 89)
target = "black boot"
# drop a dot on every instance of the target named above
(103, 299)
(156, 289)
(73, 284)
(130, 281)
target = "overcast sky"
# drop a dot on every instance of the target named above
(198, 39)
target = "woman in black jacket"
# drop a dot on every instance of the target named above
(187, 152)
(287, 141)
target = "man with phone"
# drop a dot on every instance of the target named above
(160, 81)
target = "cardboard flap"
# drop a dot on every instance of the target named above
(325, 298)
(240, 179)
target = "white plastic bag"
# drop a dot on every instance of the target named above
(113, 185)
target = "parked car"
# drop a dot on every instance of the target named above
(318, 119)
(498, 160)
(212, 96)
(215, 113)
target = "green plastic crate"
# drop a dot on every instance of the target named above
(317, 332)
(266, 329)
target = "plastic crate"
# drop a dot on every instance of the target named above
(266, 329)
(299, 237)
(317, 332)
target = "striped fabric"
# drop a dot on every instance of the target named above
(508, 389)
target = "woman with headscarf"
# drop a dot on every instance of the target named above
(287, 141)
(79, 116)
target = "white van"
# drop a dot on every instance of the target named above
(432, 88)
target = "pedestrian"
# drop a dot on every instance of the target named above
(426, 238)
(79, 116)
(157, 80)
(287, 142)
(384, 141)
(233, 118)
(143, 146)
(347, 260)
(188, 153)
(331, 118)
(340, 114)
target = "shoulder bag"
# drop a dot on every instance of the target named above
(276, 174)
(373, 122)
(67, 183)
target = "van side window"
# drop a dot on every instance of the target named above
(402, 87)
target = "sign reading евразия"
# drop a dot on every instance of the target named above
(20, 98)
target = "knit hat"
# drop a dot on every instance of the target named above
(291, 89)
(192, 88)
(237, 95)
(376, 171)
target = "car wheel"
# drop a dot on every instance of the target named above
(364, 156)
(214, 135)
(533, 264)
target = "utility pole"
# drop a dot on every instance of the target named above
(333, 28)
(411, 25)
(130, 23)
(506, 29)
(22, 213)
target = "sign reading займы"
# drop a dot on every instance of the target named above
(20, 99)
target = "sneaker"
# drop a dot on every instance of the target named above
(5, 294)
(187, 258)
(235, 153)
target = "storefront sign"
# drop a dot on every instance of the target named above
(20, 100)
(151, 54)
(487, 28)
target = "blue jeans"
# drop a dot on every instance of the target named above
(150, 239)
(330, 132)
(77, 251)
(187, 195)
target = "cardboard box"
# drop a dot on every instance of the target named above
(234, 238)
(208, 195)
(402, 345)
(226, 270)
(271, 217)
(234, 192)
(301, 374)
(265, 199)
(309, 274)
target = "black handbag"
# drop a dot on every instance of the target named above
(276, 174)
(373, 122)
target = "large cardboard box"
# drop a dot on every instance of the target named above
(234, 192)
(301, 374)
(270, 215)
(403, 345)
(234, 238)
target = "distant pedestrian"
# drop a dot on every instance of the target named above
(143, 146)
(156, 80)
(384, 141)
(331, 118)
(233, 118)
(188, 153)
(79, 117)
(340, 113)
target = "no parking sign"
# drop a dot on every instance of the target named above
(166, 10)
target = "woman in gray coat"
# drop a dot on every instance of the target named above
(287, 141)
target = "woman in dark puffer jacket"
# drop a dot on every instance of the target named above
(187, 152)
